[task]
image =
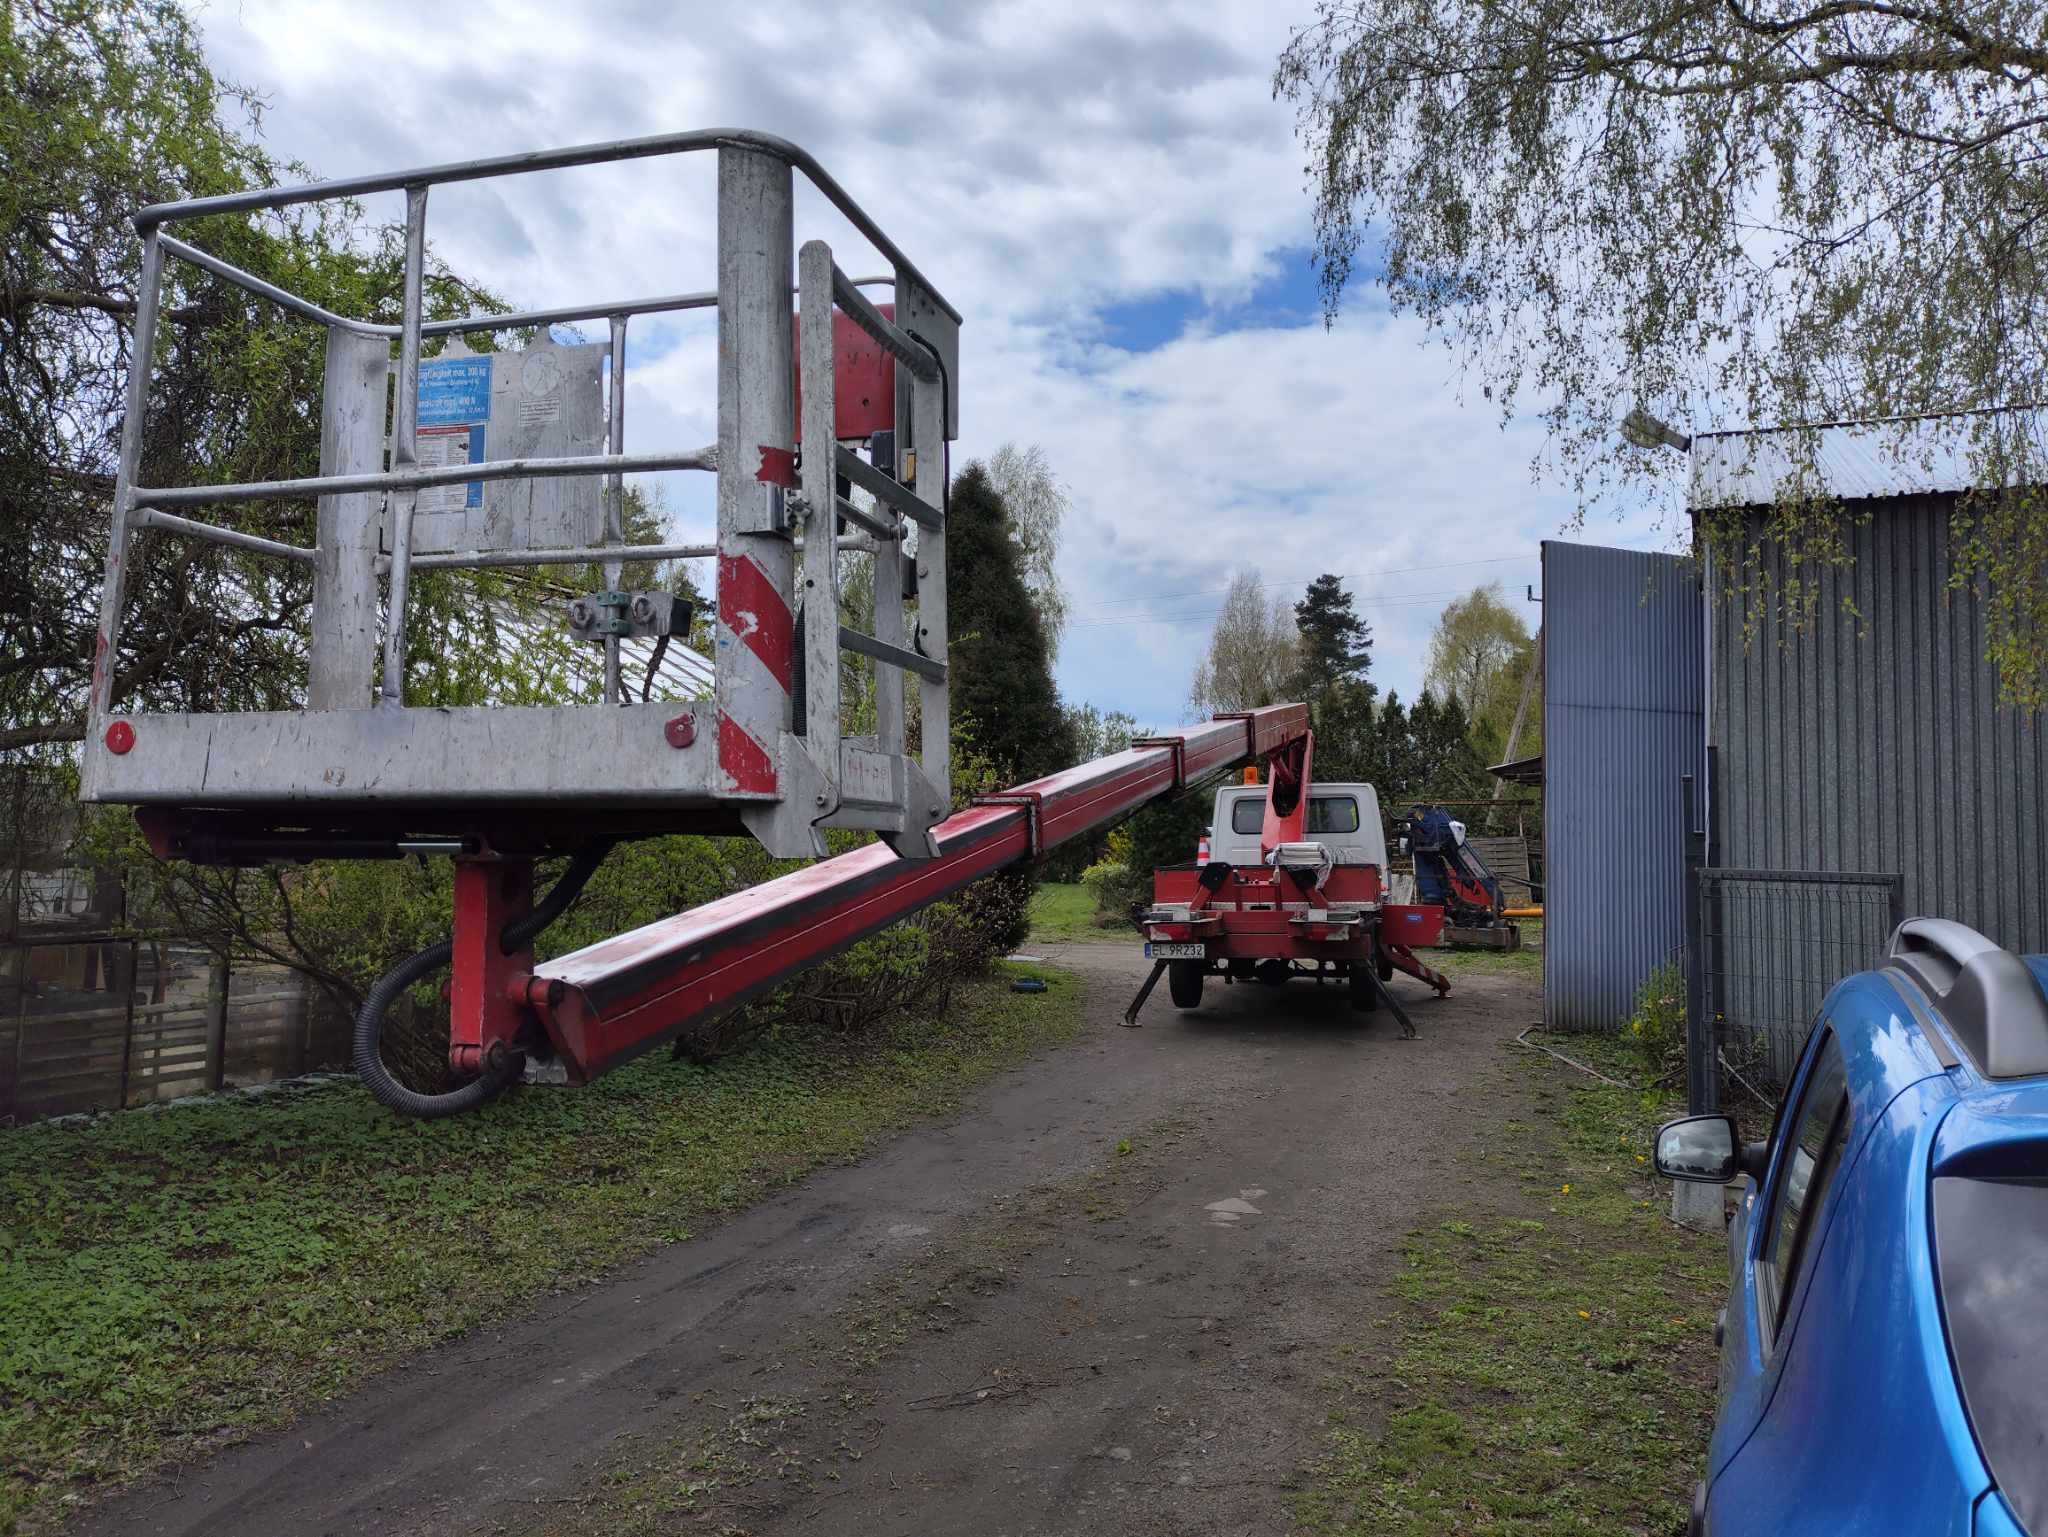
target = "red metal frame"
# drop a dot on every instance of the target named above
(1287, 794)
(487, 990)
(607, 1003)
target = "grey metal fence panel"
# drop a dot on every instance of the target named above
(1772, 944)
(1623, 723)
(1872, 737)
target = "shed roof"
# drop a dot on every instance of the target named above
(1522, 771)
(1896, 456)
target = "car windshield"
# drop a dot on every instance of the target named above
(1991, 1245)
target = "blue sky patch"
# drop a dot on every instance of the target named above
(1287, 297)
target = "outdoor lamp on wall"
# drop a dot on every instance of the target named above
(1646, 431)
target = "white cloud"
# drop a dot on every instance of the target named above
(1041, 162)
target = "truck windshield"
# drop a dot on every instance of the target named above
(1326, 814)
(1991, 1245)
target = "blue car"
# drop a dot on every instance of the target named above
(1884, 1355)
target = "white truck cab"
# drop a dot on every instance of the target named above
(1343, 818)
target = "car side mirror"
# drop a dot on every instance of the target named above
(1702, 1148)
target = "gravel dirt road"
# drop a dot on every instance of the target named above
(1107, 1298)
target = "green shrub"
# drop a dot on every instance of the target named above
(1116, 889)
(1656, 1028)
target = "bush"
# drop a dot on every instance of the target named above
(911, 964)
(1116, 889)
(1656, 1028)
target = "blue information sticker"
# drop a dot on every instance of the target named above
(455, 394)
(455, 391)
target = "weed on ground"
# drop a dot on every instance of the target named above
(171, 1280)
(1543, 1366)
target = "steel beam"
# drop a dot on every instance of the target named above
(883, 329)
(893, 656)
(106, 649)
(756, 561)
(622, 756)
(213, 533)
(927, 437)
(405, 423)
(313, 486)
(614, 532)
(741, 140)
(883, 529)
(820, 576)
(889, 493)
(341, 666)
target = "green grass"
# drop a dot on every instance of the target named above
(1543, 1371)
(1062, 911)
(1525, 962)
(172, 1280)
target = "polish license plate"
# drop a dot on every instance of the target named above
(1196, 951)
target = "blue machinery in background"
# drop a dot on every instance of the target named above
(1450, 874)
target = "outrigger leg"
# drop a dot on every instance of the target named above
(1158, 971)
(1387, 997)
(1405, 959)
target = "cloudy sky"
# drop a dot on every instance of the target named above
(1106, 191)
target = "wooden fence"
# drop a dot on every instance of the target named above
(105, 1022)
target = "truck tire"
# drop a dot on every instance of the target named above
(1184, 982)
(1364, 996)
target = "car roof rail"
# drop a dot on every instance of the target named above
(1986, 995)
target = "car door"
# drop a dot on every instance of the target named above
(1776, 1235)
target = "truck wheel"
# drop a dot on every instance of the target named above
(1364, 996)
(1383, 963)
(1184, 982)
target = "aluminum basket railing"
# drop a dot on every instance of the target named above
(356, 766)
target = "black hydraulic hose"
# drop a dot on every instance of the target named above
(490, 1083)
(377, 1078)
(564, 891)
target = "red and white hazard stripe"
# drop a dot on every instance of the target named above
(755, 661)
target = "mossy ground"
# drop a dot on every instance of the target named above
(1545, 1363)
(172, 1280)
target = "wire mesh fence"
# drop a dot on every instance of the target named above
(1770, 944)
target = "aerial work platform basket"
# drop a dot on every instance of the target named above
(415, 475)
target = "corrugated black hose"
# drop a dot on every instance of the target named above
(489, 1084)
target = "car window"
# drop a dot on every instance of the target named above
(1247, 814)
(1991, 1254)
(1818, 1131)
(1332, 814)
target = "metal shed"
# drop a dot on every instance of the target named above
(1623, 706)
(1867, 742)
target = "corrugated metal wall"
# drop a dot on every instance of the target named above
(1874, 741)
(1623, 720)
